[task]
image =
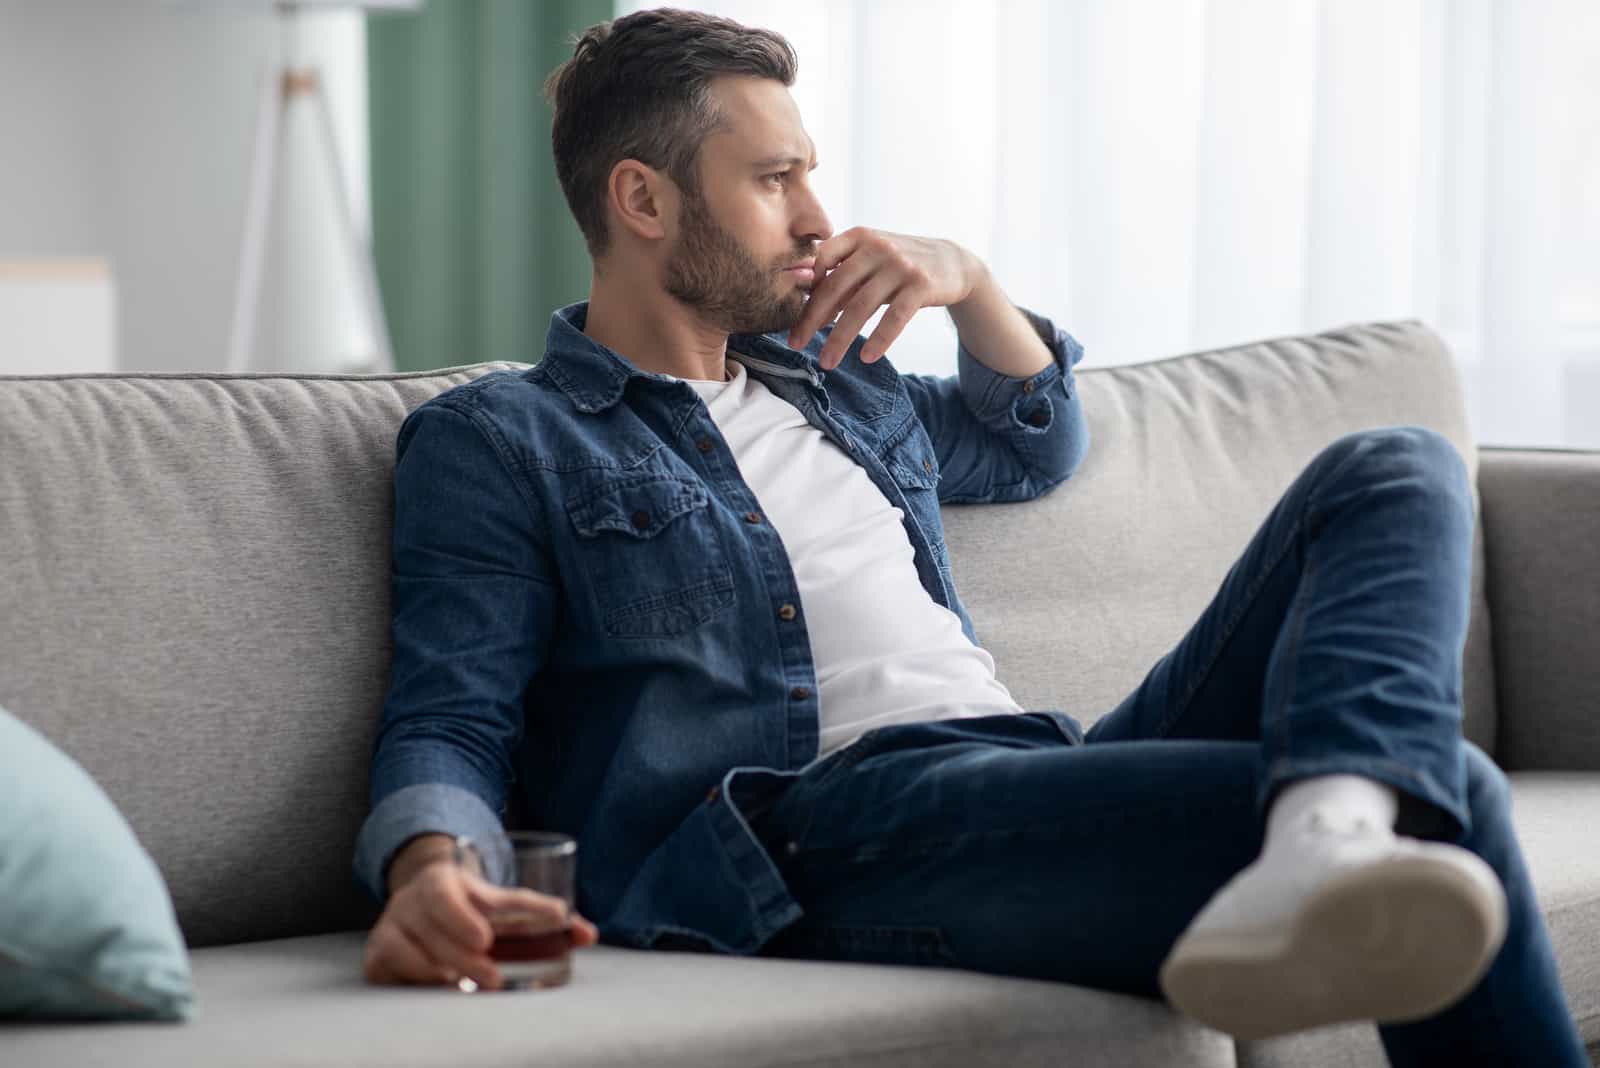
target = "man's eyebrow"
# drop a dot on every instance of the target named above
(787, 161)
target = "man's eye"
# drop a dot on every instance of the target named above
(778, 176)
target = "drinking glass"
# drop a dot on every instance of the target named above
(529, 958)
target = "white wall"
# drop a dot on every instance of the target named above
(125, 133)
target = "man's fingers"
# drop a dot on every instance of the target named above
(894, 321)
(837, 278)
(874, 294)
(838, 248)
(393, 956)
(457, 958)
(828, 296)
(436, 912)
(584, 933)
(449, 907)
(545, 912)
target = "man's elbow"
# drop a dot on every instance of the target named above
(1068, 435)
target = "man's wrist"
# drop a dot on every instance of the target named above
(417, 854)
(974, 270)
(996, 333)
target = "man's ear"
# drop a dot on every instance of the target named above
(642, 199)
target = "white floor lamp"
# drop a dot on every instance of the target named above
(296, 92)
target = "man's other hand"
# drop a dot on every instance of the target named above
(861, 270)
(435, 927)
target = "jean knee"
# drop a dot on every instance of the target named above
(1425, 458)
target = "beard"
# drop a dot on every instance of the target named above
(712, 272)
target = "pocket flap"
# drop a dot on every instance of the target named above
(640, 506)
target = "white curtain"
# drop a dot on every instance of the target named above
(1165, 176)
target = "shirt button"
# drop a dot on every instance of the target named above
(704, 445)
(752, 517)
(927, 465)
(1027, 387)
(786, 613)
(800, 693)
(792, 848)
(714, 794)
(641, 519)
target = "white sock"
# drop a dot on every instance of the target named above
(1343, 800)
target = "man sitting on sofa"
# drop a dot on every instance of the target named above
(681, 590)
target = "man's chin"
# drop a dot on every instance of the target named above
(790, 312)
(779, 320)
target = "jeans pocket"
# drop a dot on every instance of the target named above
(1069, 728)
(783, 818)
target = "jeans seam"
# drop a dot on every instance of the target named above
(1297, 539)
(1250, 594)
(1299, 609)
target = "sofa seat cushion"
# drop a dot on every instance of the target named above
(1556, 813)
(302, 1001)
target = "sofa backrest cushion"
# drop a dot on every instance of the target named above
(1077, 594)
(193, 604)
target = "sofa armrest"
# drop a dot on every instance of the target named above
(1541, 525)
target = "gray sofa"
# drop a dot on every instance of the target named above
(193, 598)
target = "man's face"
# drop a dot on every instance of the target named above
(755, 218)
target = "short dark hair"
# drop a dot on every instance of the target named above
(638, 87)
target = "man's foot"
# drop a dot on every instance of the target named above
(1336, 925)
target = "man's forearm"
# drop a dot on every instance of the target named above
(996, 333)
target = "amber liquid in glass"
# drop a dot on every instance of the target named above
(513, 947)
(533, 960)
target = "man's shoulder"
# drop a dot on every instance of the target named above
(533, 422)
(502, 400)
(493, 392)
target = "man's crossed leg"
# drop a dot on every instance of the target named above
(1332, 650)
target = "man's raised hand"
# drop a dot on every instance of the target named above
(861, 270)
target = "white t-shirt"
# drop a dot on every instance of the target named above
(884, 650)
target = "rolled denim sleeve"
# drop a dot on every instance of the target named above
(423, 808)
(1000, 438)
(474, 599)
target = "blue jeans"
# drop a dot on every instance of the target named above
(1018, 845)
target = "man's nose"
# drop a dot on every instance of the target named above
(812, 224)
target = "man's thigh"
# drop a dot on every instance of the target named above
(996, 845)
(1346, 581)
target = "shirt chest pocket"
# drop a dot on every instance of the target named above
(649, 555)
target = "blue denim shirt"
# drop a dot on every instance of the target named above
(590, 638)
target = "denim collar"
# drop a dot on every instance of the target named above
(593, 376)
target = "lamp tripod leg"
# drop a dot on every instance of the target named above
(360, 250)
(258, 217)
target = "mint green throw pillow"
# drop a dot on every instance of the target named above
(87, 929)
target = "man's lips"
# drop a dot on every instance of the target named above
(804, 271)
